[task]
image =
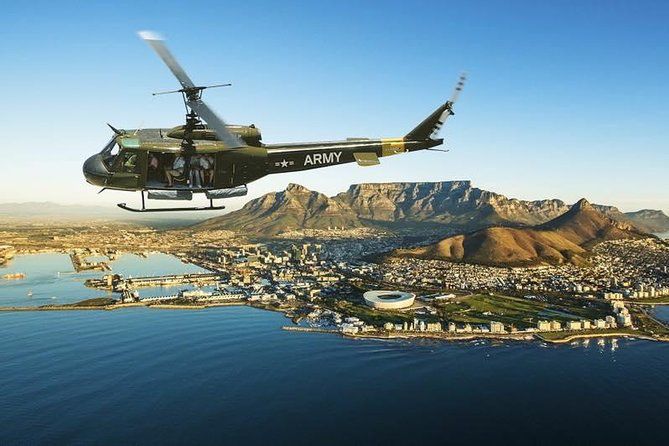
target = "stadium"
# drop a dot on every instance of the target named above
(389, 300)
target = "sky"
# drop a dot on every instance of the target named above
(564, 99)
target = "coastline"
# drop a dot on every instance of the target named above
(574, 337)
(528, 337)
(441, 336)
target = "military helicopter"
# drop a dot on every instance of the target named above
(218, 159)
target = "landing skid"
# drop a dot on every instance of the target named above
(211, 207)
(200, 208)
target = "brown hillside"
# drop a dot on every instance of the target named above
(565, 239)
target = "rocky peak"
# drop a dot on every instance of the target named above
(582, 204)
(296, 188)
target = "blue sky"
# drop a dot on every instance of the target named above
(565, 99)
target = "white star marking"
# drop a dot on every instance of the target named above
(284, 163)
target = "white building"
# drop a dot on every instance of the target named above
(544, 326)
(496, 327)
(349, 329)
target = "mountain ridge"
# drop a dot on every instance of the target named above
(445, 205)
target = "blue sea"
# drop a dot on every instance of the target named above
(50, 278)
(230, 375)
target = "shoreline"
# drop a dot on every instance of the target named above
(573, 337)
(440, 336)
(527, 337)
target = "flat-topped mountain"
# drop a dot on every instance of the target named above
(455, 203)
(452, 204)
(565, 239)
(449, 206)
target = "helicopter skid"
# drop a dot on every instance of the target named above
(195, 208)
(211, 207)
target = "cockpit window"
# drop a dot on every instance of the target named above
(129, 162)
(110, 152)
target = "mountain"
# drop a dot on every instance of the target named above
(565, 239)
(445, 205)
(455, 203)
(585, 225)
(294, 208)
(49, 213)
(649, 220)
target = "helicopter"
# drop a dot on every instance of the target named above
(207, 156)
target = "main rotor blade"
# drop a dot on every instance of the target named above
(157, 43)
(216, 123)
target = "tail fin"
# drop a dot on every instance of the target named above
(429, 128)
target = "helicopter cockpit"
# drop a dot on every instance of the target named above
(110, 152)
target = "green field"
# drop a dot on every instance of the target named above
(483, 308)
(517, 311)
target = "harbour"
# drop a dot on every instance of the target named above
(51, 279)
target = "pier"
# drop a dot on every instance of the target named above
(79, 263)
(119, 283)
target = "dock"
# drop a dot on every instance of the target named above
(79, 263)
(120, 283)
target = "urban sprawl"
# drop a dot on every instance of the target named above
(320, 285)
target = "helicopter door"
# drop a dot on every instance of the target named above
(127, 170)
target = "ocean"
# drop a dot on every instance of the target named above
(230, 375)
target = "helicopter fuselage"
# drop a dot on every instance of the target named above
(137, 160)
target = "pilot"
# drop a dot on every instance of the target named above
(177, 170)
(130, 162)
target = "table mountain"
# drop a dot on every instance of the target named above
(448, 206)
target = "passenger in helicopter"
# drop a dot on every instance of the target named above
(154, 172)
(176, 171)
(207, 169)
(195, 173)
